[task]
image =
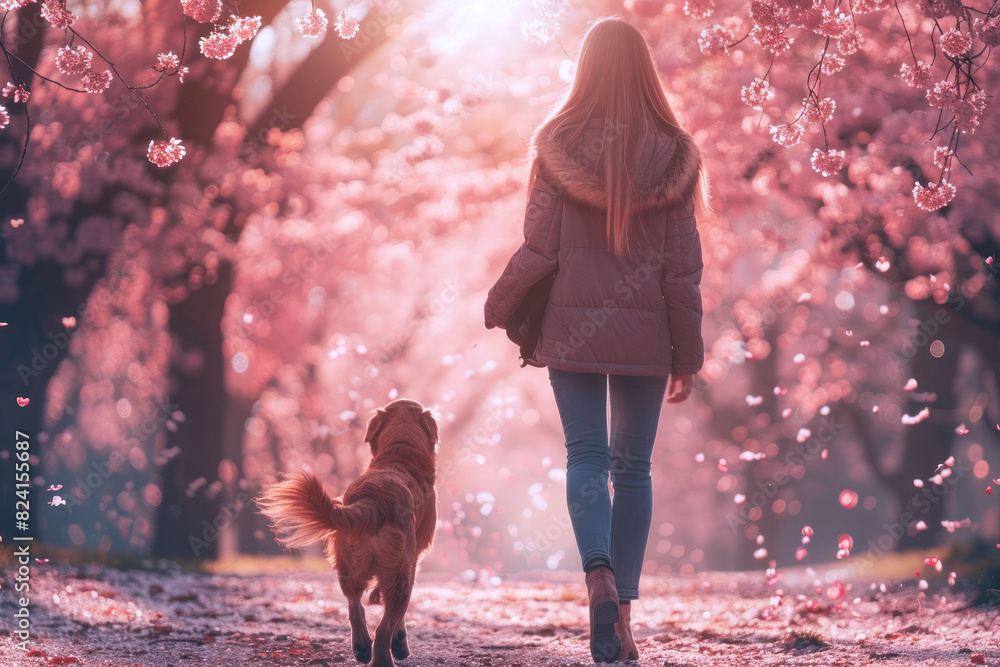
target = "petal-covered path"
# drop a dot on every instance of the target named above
(94, 615)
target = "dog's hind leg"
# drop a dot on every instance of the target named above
(399, 646)
(361, 641)
(390, 635)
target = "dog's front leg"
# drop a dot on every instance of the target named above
(361, 641)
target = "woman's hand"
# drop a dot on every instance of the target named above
(679, 386)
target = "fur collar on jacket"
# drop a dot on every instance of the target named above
(577, 180)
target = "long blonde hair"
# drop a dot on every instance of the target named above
(617, 80)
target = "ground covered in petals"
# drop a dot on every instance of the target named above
(95, 615)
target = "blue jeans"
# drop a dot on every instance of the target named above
(616, 531)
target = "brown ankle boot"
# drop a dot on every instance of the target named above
(624, 629)
(605, 646)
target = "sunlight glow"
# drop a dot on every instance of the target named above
(463, 21)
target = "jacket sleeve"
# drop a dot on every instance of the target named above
(536, 258)
(682, 271)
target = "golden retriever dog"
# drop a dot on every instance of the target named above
(379, 530)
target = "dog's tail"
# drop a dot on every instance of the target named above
(302, 513)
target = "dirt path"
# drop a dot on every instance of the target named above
(127, 618)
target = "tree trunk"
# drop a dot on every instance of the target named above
(928, 443)
(188, 525)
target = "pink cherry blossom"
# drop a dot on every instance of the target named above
(988, 30)
(314, 23)
(772, 38)
(74, 61)
(203, 11)
(699, 9)
(245, 28)
(167, 61)
(788, 134)
(539, 31)
(165, 153)
(955, 43)
(715, 41)
(850, 42)
(97, 82)
(55, 13)
(757, 93)
(942, 158)
(347, 26)
(218, 45)
(918, 76)
(4, 117)
(828, 162)
(969, 110)
(15, 4)
(832, 63)
(930, 198)
(938, 9)
(818, 111)
(834, 24)
(18, 93)
(868, 6)
(943, 96)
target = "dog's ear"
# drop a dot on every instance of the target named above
(429, 425)
(375, 425)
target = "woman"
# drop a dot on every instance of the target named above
(613, 185)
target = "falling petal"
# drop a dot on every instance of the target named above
(910, 385)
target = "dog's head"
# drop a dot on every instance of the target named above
(403, 420)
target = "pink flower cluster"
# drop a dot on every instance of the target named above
(869, 6)
(772, 38)
(834, 25)
(4, 117)
(19, 93)
(165, 153)
(955, 43)
(828, 162)
(347, 26)
(850, 42)
(934, 196)
(918, 76)
(74, 61)
(832, 64)
(943, 95)
(97, 82)
(938, 9)
(313, 24)
(79, 62)
(942, 156)
(788, 134)
(715, 41)
(222, 43)
(55, 13)
(988, 30)
(756, 94)
(969, 110)
(203, 11)
(170, 64)
(699, 9)
(818, 111)
(14, 4)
